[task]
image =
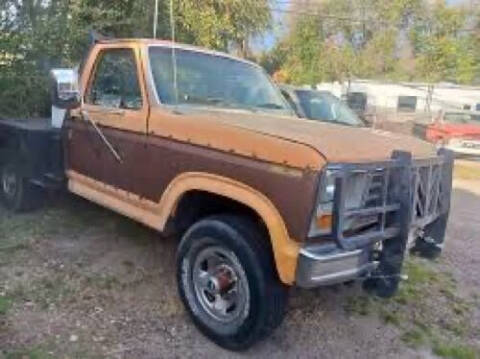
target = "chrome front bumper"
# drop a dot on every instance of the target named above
(320, 265)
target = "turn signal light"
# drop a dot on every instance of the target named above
(324, 222)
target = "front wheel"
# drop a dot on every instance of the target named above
(228, 283)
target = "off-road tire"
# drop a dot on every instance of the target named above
(25, 195)
(268, 296)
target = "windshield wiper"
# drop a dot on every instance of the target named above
(203, 100)
(216, 101)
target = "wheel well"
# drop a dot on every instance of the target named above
(195, 205)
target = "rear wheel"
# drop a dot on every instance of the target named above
(15, 191)
(228, 283)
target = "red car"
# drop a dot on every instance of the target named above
(458, 131)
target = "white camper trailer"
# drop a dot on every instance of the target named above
(374, 97)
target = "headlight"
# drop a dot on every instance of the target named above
(354, 187)
(321, 223)
(327, 189)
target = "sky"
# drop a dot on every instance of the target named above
(267, 41)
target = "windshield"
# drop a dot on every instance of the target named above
(323, 106)
(211, 80)
(461, 118)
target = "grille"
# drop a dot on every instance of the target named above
(426, 184)
(375, 193)
(418, 187)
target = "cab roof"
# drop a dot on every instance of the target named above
(168, 43)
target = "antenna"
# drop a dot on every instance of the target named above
(155, 20)
(174, 59)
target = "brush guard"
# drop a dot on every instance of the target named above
(410, 200)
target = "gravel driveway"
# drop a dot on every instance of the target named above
(78, 281)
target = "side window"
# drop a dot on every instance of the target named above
(407, 103)
(357, 101)
(115, 83)
(320, 109)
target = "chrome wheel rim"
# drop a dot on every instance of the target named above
(221, 285)
(9, 183)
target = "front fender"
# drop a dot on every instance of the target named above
(285, 249)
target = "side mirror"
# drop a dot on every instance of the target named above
(65, 90)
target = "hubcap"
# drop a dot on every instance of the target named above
(9, 183)
(220, 284)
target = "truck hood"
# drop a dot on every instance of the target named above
(337, 143)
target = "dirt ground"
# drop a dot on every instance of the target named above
(77, 281)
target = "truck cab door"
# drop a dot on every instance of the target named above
(114, 100)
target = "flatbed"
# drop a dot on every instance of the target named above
(33, 147)
(27, 124)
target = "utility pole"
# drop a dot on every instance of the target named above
(364, 25)
(155, 20)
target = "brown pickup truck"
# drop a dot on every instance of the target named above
(203, 145)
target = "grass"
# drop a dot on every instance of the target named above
(103, 281)
(390, 317)
(421, 279)
(413, 311)
(42, 291)
(51, 290)
(415, 338)
(455, 351)
(420, 276)
(59, 288)
(29, 354)
(359, 305)
(66, 216)
(5, 303)
(432, 328)
(466, 171)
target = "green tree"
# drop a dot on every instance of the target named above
(273, 60)
(223, 23)
(394, 39)
(36, 35)
(444, 51)
(303, 63)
